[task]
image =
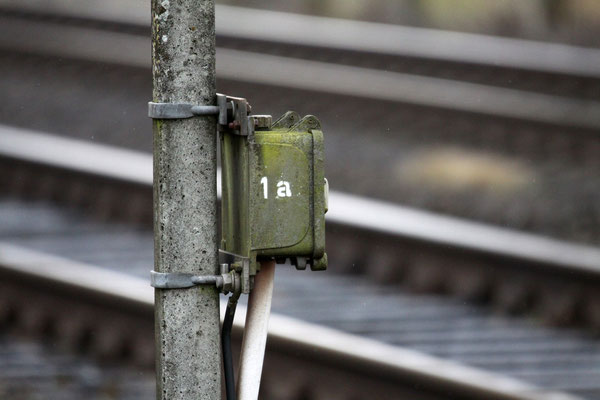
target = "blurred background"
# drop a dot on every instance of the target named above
(466, 133)
(563, 21)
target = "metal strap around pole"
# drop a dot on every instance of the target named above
(179, 110)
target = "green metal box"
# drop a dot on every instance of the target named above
(274, 191)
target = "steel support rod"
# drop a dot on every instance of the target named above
(255, 333)
(188, 357)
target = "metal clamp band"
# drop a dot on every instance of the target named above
(179, 280)
(234, 276)
(232, 113)
(179, 110)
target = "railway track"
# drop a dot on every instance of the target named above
(111, 318)
(256, 26)
(33, 370)
(528, 104)
(517, 272)
(290, 68)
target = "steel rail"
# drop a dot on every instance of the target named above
(318, 344)
(131, 50)
(375, 216)
(366, 37)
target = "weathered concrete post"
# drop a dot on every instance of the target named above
(188, 358)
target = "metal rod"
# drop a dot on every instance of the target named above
(206, 280)
(188, 364)
(205, 110)
(255, 333)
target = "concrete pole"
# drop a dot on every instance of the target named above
(188, 357)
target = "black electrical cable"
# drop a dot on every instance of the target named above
(226, 345)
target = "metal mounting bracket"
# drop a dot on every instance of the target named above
(234, 277)
(239, 264)
(232, 113)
